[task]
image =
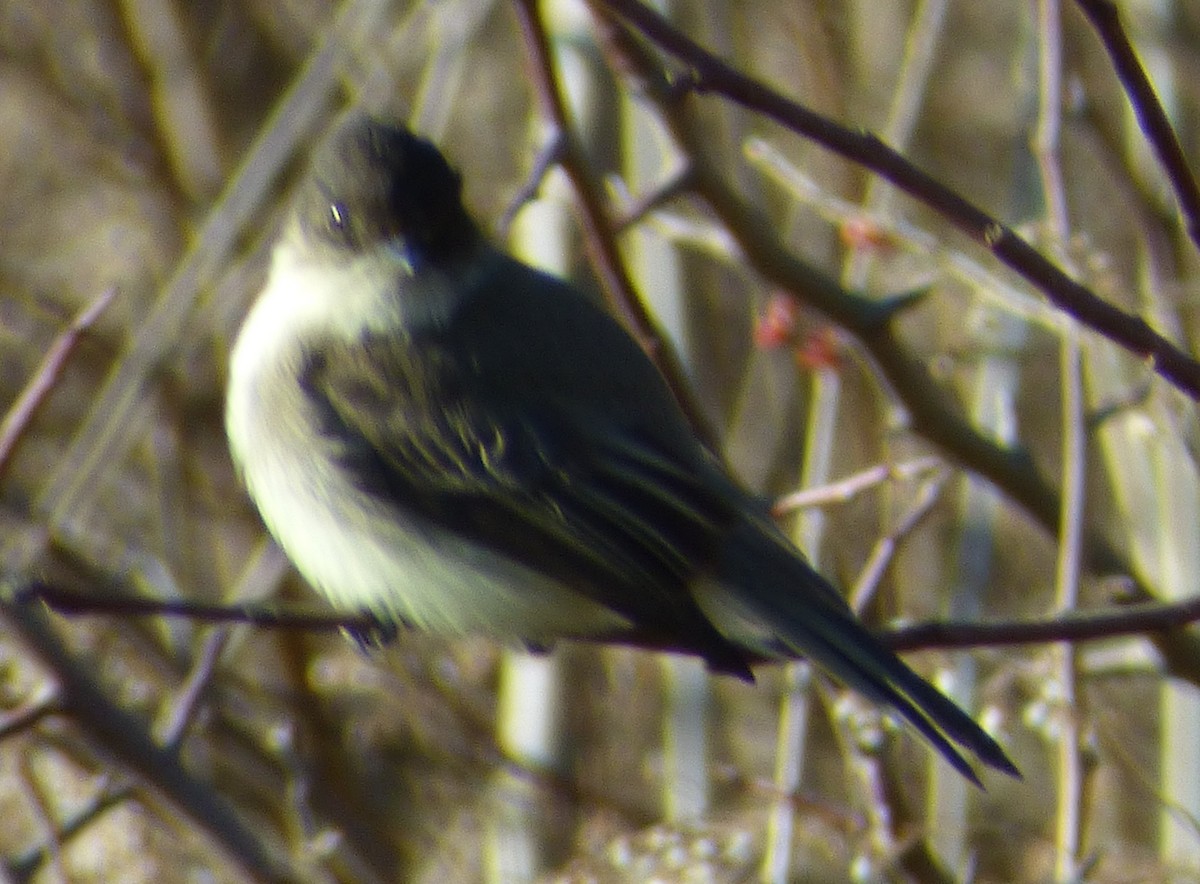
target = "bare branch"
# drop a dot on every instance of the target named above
(709, 74)
(1106, 19)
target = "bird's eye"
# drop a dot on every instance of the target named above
(339, 218)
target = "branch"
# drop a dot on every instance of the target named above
(46, 376)
(932, 411)
(1124, 620)
(1106, 19)
(264, 615)
(124, 736)
(1144, 619)
(708, 73)
(597, 227)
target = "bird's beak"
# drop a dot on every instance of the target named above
(398, 251)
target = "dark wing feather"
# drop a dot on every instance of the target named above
(607, 491)
(613, 515)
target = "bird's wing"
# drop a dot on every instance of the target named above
(612, 509)
(614, 514)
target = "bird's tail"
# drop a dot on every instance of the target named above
(764, 585)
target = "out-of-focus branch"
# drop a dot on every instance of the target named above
(932, 412)
(1143, 619)
(263, 615)
(1106, 19)
(44, 379)
(1119, 621)
(126, 738)
(597, 226)
(23, 867)
(1072, 714)
(710, 74)
(848, 488)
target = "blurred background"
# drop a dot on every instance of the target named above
(147, 152)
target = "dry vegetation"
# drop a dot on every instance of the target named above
(148, 147)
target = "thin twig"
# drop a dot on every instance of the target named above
(711, 74)
(850, 487)
(1070, 798)
(931, 411)
(182, 712)
(46, 376)
(550, 154)
(1110, 623)
(44, 814)
(1106, 19)
(884, 549)
(25, 866)
(264, 615)
(1116, 622)
(34, 709)
(1069, 795)
(636, 209)
(124, 737)
(597, 229)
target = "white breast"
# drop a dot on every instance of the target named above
(359, 553)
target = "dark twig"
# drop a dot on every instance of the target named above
(597, 228)
(39, 804)
(270, 616)
(637, 209)
(710, 74)
(550, 154)
(1106, 19)
(29, 713)
(124, 737)
(932, 412)
(1139, 619)
(25, 866)
(43, 380)
(1076, 627)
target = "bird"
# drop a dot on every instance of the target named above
(444, 438)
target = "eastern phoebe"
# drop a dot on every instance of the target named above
(445, 438)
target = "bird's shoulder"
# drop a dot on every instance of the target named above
(519, 341)
(537, 335)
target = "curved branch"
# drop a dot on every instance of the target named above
(125, 737)
(597, 228)
(1106, 19)
(1141, 619)
(933, 413)
(710, 74)
(1115, 622)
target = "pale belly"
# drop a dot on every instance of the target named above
(361, 554)
(364, 555)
